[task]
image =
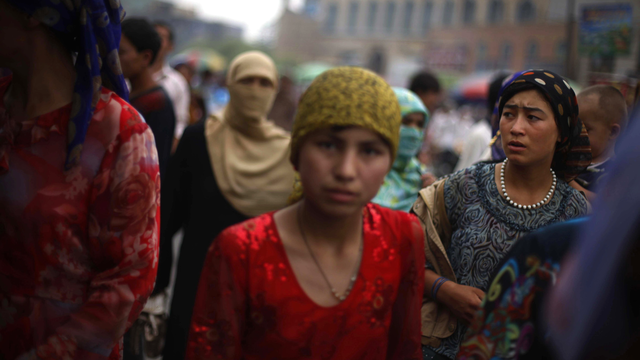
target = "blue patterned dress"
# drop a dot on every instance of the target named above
(485, 227)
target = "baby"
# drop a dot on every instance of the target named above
(604, 112)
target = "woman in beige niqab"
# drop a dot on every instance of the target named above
(249, 154)
(249, 168)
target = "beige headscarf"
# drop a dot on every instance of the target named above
(249, 154)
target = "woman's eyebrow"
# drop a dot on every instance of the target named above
(528, 108)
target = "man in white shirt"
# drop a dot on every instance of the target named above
(476, 147)
(172, 81)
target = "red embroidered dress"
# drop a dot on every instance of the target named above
(250, 305)
(78, 249)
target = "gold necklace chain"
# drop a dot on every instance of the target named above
(353, 278)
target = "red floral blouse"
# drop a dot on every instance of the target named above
(250, 305)
(78, 249)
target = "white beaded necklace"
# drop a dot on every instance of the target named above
(529, 207)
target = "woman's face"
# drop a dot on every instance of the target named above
(13, 34)
(415, 120)
(529, 130)
(132, 61)
(342, 170)
(257, 81)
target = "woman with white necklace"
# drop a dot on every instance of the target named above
(472, 218)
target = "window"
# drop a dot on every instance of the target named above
(561, 49)
(373, 16)
(311, 8)
(532, 51)
(469, 15)
(426, 16)
(377, 61)
(496, 12)
(507, 51)
(353, 18)
(349, 58)
(391, 14)
(482, 51)
(447, 17)
(526, 11)
(481, 58)
(408, 16)
(332, 16)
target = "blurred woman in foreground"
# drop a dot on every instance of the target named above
(79, 184)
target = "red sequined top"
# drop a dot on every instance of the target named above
(250, 305)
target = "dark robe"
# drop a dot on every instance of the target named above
(193, 202)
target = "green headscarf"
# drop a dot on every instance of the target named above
(404, 181)
(410, 103)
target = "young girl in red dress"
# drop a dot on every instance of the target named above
(332, 276)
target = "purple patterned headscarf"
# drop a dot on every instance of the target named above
(94, 27)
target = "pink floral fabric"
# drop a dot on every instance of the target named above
(78, 249)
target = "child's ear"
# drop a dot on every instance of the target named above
(614, 132)
(147, 55)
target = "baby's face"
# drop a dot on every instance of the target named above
(598, 128)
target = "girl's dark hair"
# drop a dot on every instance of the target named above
(68, 40)
(142, 35)
(424, 82)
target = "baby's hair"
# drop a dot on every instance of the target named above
(611, 102)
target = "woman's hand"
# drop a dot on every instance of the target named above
(463, 301)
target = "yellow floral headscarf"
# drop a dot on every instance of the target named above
(346, 96)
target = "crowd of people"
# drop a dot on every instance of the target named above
(324, 227)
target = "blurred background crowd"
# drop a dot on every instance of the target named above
(463, 44)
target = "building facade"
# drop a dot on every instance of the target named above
(455, 36)
(398, 37)
(186, 24)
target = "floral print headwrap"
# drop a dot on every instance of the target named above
(94, 26)
(573, 152)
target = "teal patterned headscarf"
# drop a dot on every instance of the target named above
(410, 103)
(94, 27)
(404, 181)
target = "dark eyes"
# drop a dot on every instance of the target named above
(328, 145)
(265, 83)
(366, 150)
(371, 151)
(508, 115)
(251, 81)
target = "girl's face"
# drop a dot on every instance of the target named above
(529, 130)
(414, 120)
(13, 34)
(133, 62)
(342, 170)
